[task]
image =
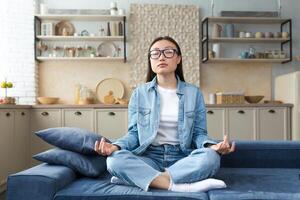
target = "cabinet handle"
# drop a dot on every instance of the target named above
(210, 112)
(111, 113)
(241, 112)
(78, 113)
(272, 111)
(7, 114)
(22, 113)
(45, 113)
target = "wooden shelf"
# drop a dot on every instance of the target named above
(250, 20)
(247, 40)
(80, 58)
(81, 38)
(82, 17)
(219, 60)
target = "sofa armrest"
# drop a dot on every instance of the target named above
(40, 182)
(264, 154)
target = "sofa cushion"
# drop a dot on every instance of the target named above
(70, 138)
(87, 165)
(101, 188)
(258, 183)
(264, 154)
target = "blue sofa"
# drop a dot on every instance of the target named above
(257, 170)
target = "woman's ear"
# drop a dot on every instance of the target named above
(178, 59)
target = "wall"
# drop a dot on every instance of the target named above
(16, 49)
(57, 79)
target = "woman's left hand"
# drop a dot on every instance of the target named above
(224, 147)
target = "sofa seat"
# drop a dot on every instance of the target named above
(258, 183)
(101, 188)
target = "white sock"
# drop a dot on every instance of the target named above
(200, 186)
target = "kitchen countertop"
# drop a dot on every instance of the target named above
(7, 106)
(249, 105)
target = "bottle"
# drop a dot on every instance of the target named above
(108, 29)
(113, 8)
(77, 93)
(120, 27)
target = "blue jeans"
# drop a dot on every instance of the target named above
(141, 170)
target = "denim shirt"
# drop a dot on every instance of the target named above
(144, 118)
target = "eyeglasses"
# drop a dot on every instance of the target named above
(168, 53)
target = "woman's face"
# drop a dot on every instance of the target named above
(164, 57)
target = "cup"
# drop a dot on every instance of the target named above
(216, 31)
(285, 34)
(121, 11)
(258, 35)
(268, 34)
(248, 35)
(43, 9)
(244, 54)
(229, 30)
(216, 49)
(242, 34)
(212, 98)
(277, 35)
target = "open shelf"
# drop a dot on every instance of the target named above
(247, 40)
(80, 58)
(250, 20)
(82, 17)
(80, 38)
(219, 60)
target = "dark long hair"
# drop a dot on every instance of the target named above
(178, 71)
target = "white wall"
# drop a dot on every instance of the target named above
(16, 49)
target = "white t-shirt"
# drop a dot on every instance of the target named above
(167, 131)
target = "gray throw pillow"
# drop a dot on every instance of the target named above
(87, 165)
(70, 138)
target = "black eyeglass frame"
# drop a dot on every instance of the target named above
(162, 51)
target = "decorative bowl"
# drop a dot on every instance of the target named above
(254, 99)
(47, 100)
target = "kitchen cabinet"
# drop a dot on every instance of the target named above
(111, 123)
(249, 122)
(89, 36)
(21, 143)
(42, 119)
(6, 143)
(273, 124)
(14, 142)
(207, 40)
(81, 118)
(215, 123)
(241, 123)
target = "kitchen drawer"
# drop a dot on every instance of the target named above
(42, 119)
(241, 123)
(273, 124)
(215, 123)
(81, 118)
(111, 123)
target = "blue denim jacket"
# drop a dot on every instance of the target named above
(144, 117)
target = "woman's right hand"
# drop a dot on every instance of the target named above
(104, 148)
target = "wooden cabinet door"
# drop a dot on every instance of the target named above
(42, 119)
(111, 123)
(6, 143)
(81, 118)
(21, 140)
(215, 118)
(241, 123)
(273, 124)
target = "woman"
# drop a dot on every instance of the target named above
(166, 146)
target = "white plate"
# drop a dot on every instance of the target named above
(109, 84)
(107, 49)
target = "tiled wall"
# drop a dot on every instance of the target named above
(16, 49)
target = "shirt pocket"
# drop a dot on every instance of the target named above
(144, 116)
(189, 117)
